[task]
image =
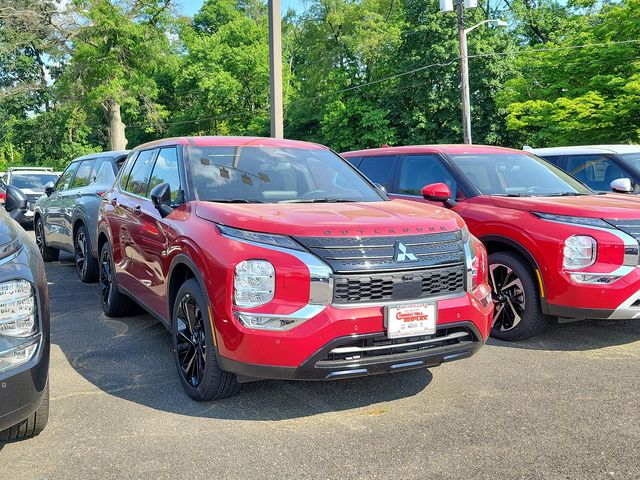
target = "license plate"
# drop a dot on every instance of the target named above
(411, 320)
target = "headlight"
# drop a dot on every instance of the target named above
(586, 221)
(579, 252)
(10, 248)
(17, 309)
(254, 283)
(259, 237)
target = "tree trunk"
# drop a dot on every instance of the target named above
(116, 128)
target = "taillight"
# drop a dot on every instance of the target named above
(3, 197)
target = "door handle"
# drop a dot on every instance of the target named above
(78, 194)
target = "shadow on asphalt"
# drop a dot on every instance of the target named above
(131, 358)
(580, 336)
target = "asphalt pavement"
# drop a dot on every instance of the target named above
(563, 405)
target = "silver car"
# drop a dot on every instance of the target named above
(31, 180)
(66, 217)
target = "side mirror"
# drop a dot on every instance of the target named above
(49, 188)
(161, 199)
(15, 203)
(436, 192)
(621, 185)
(382, 188)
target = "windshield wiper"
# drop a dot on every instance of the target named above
(233, 200)
(318, 200)
(566, 194)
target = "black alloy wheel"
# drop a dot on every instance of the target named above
(86, 263)
(114, 303)
(191, 340)
(194, 348)
(48, 254)
(517, 311)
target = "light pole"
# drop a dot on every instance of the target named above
(459, 6)
(275, 69)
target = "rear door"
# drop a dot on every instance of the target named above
(52, 213)
(70, 198)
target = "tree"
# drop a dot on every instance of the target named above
(116, 54)
(586, 85)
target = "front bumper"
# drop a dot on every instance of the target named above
(370, 354)
(629, 309)
(21, 393)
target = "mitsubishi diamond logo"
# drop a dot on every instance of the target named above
(402, 253)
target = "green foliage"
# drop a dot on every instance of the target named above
(580, 90)
(357, 74)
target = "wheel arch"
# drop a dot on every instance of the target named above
(182, 269)
(497, 243)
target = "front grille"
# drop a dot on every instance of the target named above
(408, 285)
(632, 227)
(364, 254)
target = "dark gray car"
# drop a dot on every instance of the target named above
(66, 217)
(24, 329)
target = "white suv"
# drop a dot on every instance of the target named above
(32, 181)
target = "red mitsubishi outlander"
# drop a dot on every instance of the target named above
(277, 259)
(555, 247)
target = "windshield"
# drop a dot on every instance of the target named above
(517, 174)
(32, 181)
(274, 175)
(632, 159)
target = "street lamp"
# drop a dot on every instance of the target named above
(447, 6)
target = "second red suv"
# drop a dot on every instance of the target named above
(555, 247)
(277, 259)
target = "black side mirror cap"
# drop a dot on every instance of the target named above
(161, 199)
(49, 188)
(15, 202)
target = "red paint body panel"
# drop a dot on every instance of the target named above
(146, 246)
(512, 218)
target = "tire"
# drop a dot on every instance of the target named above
(32, 426)
(114, 303)
(86, 263)
(517, 315)
(193, 347)
(48, 254)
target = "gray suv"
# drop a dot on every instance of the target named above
(24, 327)
(66, 217)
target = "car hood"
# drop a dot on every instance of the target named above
(8, 228)
(336, 219)
(609, 205)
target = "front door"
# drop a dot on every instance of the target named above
(52, 212)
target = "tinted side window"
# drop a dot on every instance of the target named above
(379, 169)
(420, 170)
(83, 175)
(355, 161)
(597, 171)
(98, 165)
(138, 182)
(124, 178)
(555, 159)
(65, 179)
(166, 171)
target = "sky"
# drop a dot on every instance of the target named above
(189, 7)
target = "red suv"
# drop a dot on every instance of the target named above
(555, 247)
(270, 258)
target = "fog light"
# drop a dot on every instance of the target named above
(19, 355)
(264, 322)
(253, 283)
(579, 252)
(17, 309)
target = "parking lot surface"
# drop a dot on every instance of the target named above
(563, 405)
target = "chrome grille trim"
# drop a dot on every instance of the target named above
(451, 336)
